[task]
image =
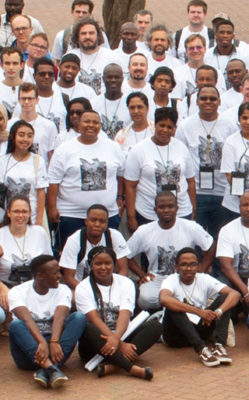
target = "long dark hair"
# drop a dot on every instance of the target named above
(81, 100)
(12, 136)
(6, 219)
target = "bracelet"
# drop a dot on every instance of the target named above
(54, 341)
(121, 196)
(219, 311)
(246, 295)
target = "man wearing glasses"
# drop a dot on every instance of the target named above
(187, 319)
(38, 47)
(22, 29)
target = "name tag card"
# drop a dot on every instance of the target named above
(206, 178)
(238, 183)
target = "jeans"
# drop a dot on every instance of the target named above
(23, 346)
(179, 331)
(2, 315)
(211, 214)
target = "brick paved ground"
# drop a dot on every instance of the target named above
(178, 374)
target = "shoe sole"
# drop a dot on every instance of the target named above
(224, 360)
(211, 364)
(41, 381)
(58, 382)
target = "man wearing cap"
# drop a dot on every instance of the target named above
(218, 18)
(69, 69)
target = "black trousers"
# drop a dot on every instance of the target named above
(143, 337)
(179, 331)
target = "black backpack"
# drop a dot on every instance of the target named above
(179, 34)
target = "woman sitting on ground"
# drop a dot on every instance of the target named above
(108, 300)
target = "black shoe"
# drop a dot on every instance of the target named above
(148, 373)
(56, 377)
(101, 371)
(41, 376)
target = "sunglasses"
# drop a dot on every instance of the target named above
(193, 48)
(77, 112)
(44, 74)
(210, 98)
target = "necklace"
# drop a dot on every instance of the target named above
(110, 125)
(208, 134)
(188, 296)
(144, 136)
(12, 166)
(22, 250)
(160, 155)
(49, 109)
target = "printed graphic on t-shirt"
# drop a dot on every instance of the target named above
(190, 88)
(244, 261)
(92, 79)
(111, 315)
(93, 174)
(45, 324)
(210, 152)
(21, 187)
(19, 270)
(9, 107)
(51, 117)
(167, 175)
(166, 260)
(35, 148)
(111, 128)
(244, 168)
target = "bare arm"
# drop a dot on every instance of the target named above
(69, 278)
(134, 267)
(229, 178)
(228, 270)
(208, 258)
(122, 266)
(60, 315)
(40, 193)
(231, 300)
(4, 296)
(52, 193)
(192, 195)
(130, 198)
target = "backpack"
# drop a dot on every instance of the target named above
(83, 239)
(66, 39)
(178, 35)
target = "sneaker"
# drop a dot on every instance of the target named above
(56, 377)
(41, 376)
(220, 353)
(207, 358)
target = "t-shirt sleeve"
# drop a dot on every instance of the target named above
(41, 179)
(135, 243)
(189, 172)
(64, 296)
(132, 168)
(168, 284)
(16, 299)
(224, 244)
(227, 160)
(70, 252)
(56, 168)
(44, 238)
(52, 137)
(202, 237)
(128, 295)
(84, 297)
(180, 135)
(214, 286)
(119, 244)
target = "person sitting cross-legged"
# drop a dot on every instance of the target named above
(43, 334)
(187, 319)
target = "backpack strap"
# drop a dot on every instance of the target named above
(65, 99)
(66, 38)
(174, 103)
(178, 35)
(108, 238)
(83, 239)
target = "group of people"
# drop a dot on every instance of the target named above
(107, 155)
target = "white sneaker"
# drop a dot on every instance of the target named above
(207, 358)
(220, 353)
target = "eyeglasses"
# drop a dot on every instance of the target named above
(77, 112)
(22, 29)
(189, 265)
(210, 98)
(27, 98)
(193, 48)
(36, 46)
(42, 74)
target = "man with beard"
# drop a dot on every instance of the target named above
(14, 7)
(159, 40)
(138, 68)
(161, 240)
(111, 105)
(86, 40)
(226, 49)
(38, 47)
(129, 45)
(69, 69)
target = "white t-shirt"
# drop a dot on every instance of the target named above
(8, 37)
(146, 89)
(169, 61)
(127, 137)
(185, 34)
(155, 166)
(204, 287)
(192, 133)
(45, 134)
(92, 66)
(114, 114)
(71, 134)
(162, 245)
(41, 306)
(124, 58)
(78, 90)
(235, 157)
(231, 114)
(20, 178)
(86, 174)
(188, 106)
(230, 99)
(28, 75)
(35, 243)
(117, 297)
(8, 96)
(233, 242)
(72, 248)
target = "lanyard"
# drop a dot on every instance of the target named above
(208, 134)
(160, 155)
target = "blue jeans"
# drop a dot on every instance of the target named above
(211, 214)
(23, 346)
